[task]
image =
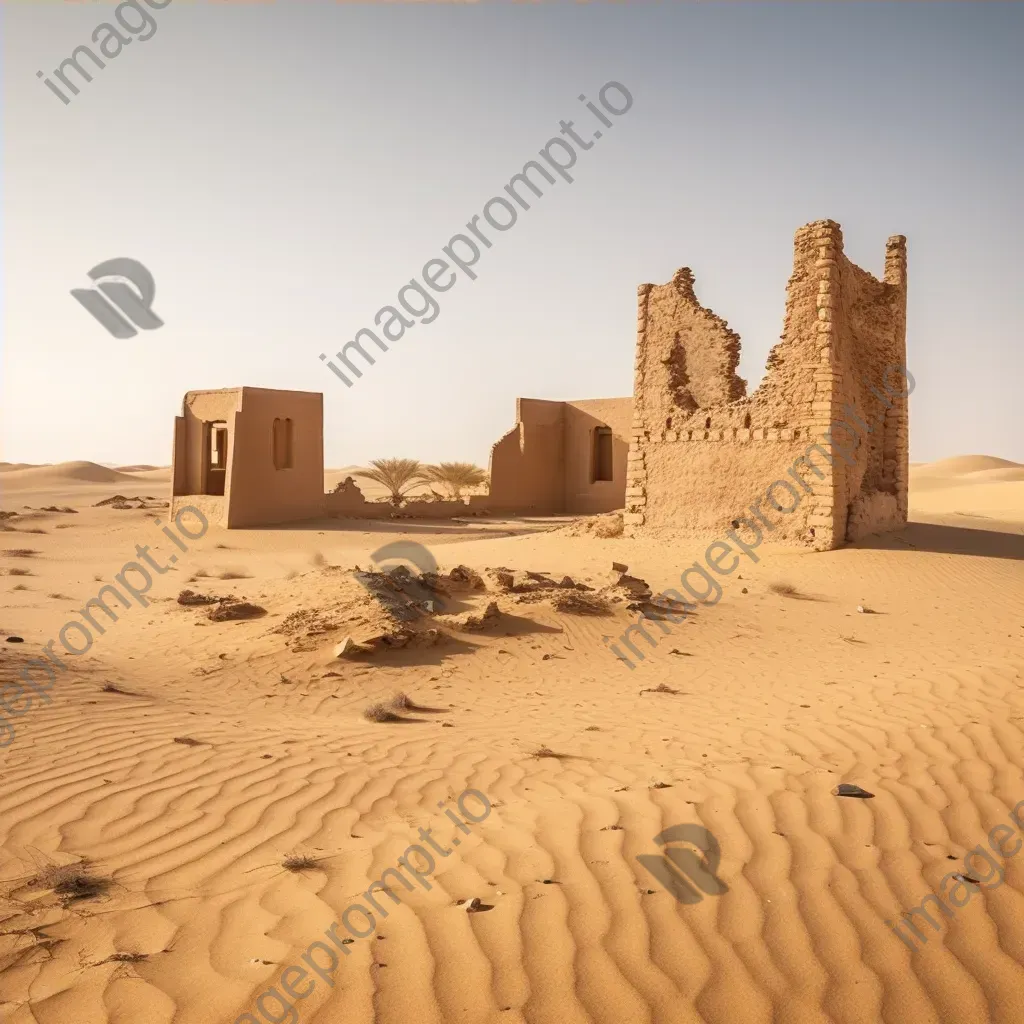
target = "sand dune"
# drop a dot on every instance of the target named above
(969, 485)
(961, 465)
(59, 475)
(186, 759)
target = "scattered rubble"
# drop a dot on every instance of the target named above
(575, 603)
(848, 789)
(605, 526)
(633, 584)
(231, 609)
(119, 501)
(471, 623)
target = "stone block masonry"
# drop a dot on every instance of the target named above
(699, 446)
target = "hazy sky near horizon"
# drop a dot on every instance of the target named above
(283, 169)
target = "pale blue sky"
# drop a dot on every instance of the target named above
(284, 168)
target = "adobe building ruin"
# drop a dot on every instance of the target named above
(250, 457)
(701, 450)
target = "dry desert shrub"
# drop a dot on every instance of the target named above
(20, 572)
(234, 574)
(783, 589)
(58, 596)
(73, 883)
(20, 552)
(19, 586)
(299, 862)
(548, 752)
(381, 712)
(317, 560)
(187, 741)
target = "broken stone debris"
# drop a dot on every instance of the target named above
(231, 609)
(848, 789)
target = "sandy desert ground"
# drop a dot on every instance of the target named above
(178, 770)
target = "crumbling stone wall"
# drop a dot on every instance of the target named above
(702, 451)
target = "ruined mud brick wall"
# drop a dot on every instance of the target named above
(702, 451)
(544, 464)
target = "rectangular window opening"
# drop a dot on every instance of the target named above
(602, 468)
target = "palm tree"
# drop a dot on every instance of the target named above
(399, 476)
(454, 476)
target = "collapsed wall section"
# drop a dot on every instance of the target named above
(527, 466)
(701, 453)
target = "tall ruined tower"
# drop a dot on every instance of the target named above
(826, 431)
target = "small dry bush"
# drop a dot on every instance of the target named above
(234, 574)
(20, 552)
(19, 586)
(187, 741)
(58, 596)
(548, 752)
(783, 589)
(299, 862)
(20, 572)
(381, 712)
(73, 883)
(317, 560)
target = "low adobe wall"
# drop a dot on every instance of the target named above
(349, 503)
